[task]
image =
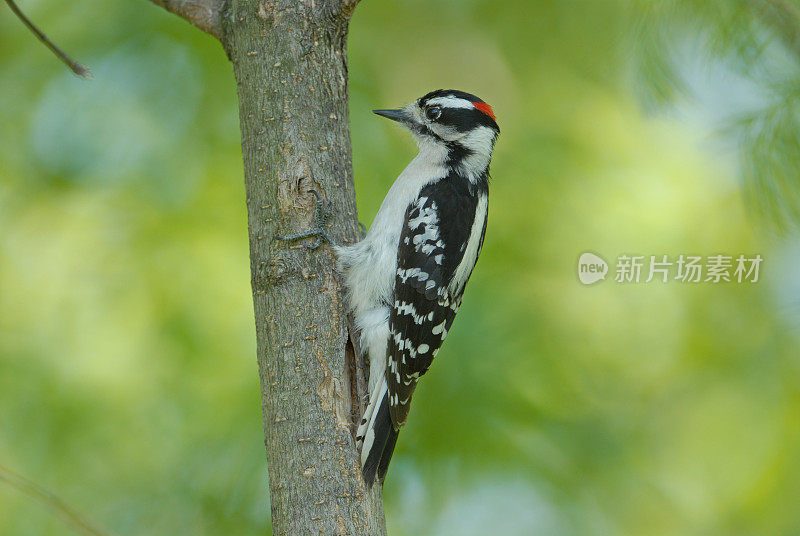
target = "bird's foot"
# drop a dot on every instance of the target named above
(321, 215)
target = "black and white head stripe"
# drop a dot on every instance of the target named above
(460, 110)
(460, 124)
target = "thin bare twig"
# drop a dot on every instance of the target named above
(51, 501)
(74, 66)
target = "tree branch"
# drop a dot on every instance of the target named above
(52, 501)
(204, 14)
(290, 63)
(73, 65)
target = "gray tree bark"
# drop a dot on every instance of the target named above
(289, 59)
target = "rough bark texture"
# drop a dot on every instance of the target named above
(205, 14)
(290, 64)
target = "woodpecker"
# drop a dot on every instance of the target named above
(406, 278)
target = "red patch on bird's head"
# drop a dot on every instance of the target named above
(485, 108)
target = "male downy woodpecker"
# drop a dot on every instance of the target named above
(406, 278)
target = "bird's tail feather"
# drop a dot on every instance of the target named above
(388, 450)
(378, 436)
(369, 413)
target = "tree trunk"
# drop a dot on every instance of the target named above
(289, 59)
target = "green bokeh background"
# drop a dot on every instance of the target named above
(128, 378)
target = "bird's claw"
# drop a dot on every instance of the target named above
(321, 215)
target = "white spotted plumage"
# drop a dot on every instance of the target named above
(405, 279)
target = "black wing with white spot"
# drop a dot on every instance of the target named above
(439, 245)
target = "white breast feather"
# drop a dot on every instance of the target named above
(370, 266)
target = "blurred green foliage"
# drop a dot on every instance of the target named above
(127, 359)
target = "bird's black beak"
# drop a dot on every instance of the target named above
(394, 115)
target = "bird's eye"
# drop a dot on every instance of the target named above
(433, 113)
